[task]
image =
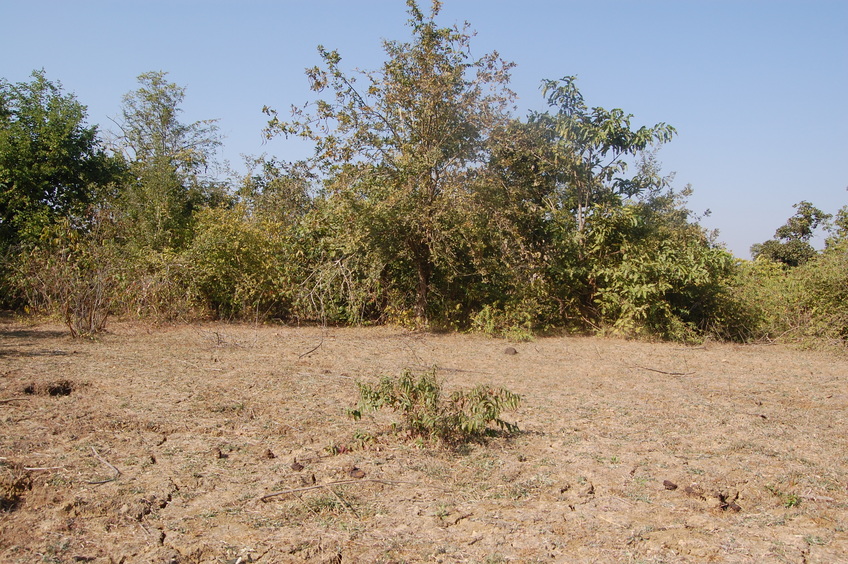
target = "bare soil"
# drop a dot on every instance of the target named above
(157, 444)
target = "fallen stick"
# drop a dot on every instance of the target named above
(47, 468)
(104, 461)
(327, 485)
(7, 400)
(313, 349)
(663, 371)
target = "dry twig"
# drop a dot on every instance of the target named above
(327, 485)
(315, 348)
(8, 400)
(104, 461)
(663, 371)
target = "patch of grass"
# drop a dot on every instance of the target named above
(788, 500)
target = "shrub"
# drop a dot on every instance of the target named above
(238, 264)
(807, 304)
(71, 274)
(463, 417)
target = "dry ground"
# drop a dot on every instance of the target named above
(187, 427)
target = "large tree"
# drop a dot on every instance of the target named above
(398, 148)
(170, 160)
(52, 165)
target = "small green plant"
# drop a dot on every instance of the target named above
(788, 500)
(362, 439)
(791, 500)
(463, 417)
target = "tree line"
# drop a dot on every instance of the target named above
(426, 202)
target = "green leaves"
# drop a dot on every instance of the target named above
(464, 417)
(169, 160)
(52, 165)
(397, 155)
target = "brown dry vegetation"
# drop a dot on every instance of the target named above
(201, 421)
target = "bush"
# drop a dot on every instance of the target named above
(238, 264)
(807, 304)
(465, 416)
(71, 274)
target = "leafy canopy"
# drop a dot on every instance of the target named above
(397, 147)
(52, 165)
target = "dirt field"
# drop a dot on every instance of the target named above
(628, 451)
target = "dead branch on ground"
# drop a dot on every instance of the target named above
(663, 371)
(104, 461)
(328, 485)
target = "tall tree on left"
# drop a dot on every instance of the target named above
(172, 163)
(52, 165)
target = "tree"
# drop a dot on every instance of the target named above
(170, 161)
(398, 153)
(791, 243)
(52, 165)
(839, 228)
(275, 191)
(589, 149)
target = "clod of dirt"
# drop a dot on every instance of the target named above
(58, 388)
(695, 491)
(268, 454)
(510, 351)
(669, 485)
(725, 501)
(356, 473)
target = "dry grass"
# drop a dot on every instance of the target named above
(202, 421)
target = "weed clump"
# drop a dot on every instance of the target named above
(464, 416)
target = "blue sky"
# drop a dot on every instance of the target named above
(757, 89)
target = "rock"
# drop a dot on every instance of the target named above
(510, 351)
(669, 485)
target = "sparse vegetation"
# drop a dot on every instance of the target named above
(466, 415)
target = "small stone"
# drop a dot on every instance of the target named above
(268, 454)
(356, 473)
(669, 485)
(296, 466)
(510, 351)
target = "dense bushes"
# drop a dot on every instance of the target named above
(426, 204)
(807, 304)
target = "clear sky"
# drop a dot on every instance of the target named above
(757, 89)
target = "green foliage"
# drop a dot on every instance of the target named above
(425, 204)
(239, 265)
(791, 244)
(397, 154)
(839, 228)
(592, 144)
(71, 274)
(807, 304)
(515, 323)
(169, 163)
(653, 272)
(464, 416)
(52, 166)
